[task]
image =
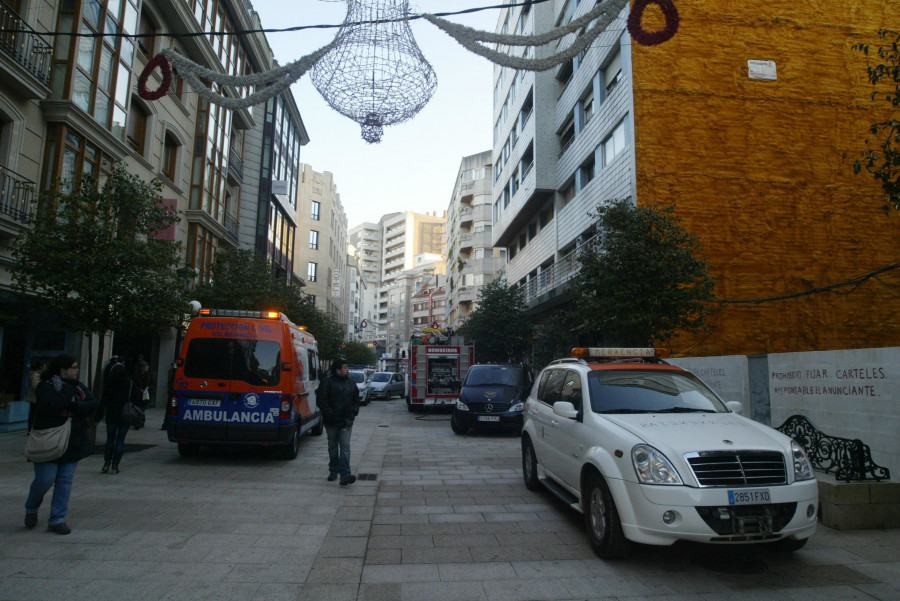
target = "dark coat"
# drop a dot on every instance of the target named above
(338, 399)
(116, 390)
(53, 407)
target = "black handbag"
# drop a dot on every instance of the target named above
(133, 415)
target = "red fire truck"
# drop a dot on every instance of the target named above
(436, 371)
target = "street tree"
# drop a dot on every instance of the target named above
(94, 259)
(883, 161)
(243, 280)
(358, 353)
(642, 279)
(498, 327)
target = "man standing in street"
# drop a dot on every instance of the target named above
(338, 399)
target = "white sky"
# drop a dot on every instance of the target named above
(415, 165)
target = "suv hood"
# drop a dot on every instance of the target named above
(679, 433)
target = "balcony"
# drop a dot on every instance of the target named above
(24, 56)
(553, 281)
(231, 226)
(236, 165)
(17, 202)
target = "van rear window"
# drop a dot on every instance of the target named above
(257, 362)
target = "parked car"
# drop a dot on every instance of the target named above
(649, 454)
(492, 395)
(386, 384)
(362, 383)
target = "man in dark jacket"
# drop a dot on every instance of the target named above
(338, 399)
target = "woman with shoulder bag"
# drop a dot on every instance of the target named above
(60, 397)
(117, 389)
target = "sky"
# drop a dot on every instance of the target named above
(415, 165)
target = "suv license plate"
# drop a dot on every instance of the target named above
(756, 496)
(489, 418)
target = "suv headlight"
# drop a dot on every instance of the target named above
(652, 467)
(802, 466)
(517, 407)
(460, 406)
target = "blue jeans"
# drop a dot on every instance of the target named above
(339, 451)
(115, 437)
(57, 475)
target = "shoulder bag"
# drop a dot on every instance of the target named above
(48, 444)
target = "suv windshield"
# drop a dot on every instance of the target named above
(650, 392)
(357, 376)
(495, 375)
(381, 377)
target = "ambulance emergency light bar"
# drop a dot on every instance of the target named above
(614, 352)
(240, 313)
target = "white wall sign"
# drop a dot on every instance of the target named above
(727, 376)
(762, 70)
(850, 394)
(336, 283)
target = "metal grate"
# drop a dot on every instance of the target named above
(738, 468)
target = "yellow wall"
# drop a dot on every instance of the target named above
(762, 171)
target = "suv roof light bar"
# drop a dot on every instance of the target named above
(240, 313)
(617, 352)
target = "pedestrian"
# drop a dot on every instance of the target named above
(59, 396)
(117, 387)
(338, 399)
(38, 367)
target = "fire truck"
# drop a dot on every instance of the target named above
(437, 367)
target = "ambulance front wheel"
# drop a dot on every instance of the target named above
(186, 449)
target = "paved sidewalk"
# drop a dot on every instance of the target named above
(438, 517)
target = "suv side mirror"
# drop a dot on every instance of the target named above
(565, 409)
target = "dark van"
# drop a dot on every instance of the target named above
(492, 395)
(247, 378)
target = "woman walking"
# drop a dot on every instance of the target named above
(117, 388)
(60, 396)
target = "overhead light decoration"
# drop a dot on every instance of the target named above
(374, 73)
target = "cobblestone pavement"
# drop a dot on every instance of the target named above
(433, 517)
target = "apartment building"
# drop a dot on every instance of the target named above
(473, 260)
(409, 240)
(322, 252)
(68, 105)
(366, 238)
(270, 173)
(757, 164)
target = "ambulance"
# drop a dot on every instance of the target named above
(244, 378)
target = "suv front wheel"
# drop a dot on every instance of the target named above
(602, 519)
(529, 465)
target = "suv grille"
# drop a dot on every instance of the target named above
(738, 468)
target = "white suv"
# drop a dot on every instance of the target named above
(650, 454)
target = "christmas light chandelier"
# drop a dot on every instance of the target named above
(373, 71)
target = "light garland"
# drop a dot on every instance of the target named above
(652, 38)
(273, 82)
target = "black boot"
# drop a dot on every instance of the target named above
(107, 457)
(117, 457)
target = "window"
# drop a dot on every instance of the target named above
(587, 106)
(170, 156)
(612, 75)
(137, 126)
(564, 75)
(147, 27)
(568, 193)
(311, 271)
(314, 239)
(614, 144)
(566, 133)
(586, 171)
(316, 207)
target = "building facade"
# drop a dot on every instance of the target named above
(366, 238)
(322, 251)
(742, 155)
(472, 260)
(69, 106)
